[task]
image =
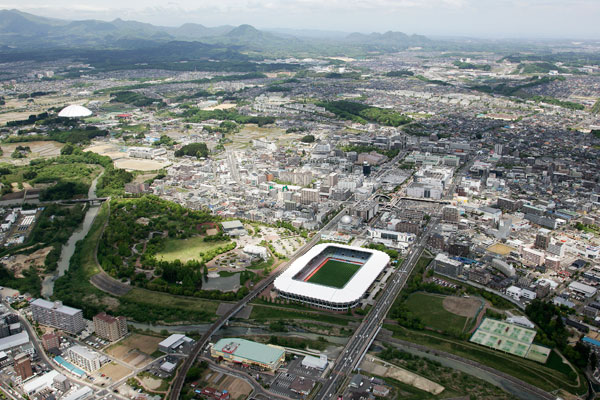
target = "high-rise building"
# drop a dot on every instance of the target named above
(22, 365)
(498, 149)
(450, 214)
(84, 358)
(542, 239)
(57, 315)
(332, 179)
(109, 327)
(50, 341)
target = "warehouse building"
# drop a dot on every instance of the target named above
(245, 352)
(175, 343)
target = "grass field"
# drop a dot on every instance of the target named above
(430, 310)
(186, 249)
(149, 306)
(334, 274)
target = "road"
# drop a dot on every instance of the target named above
(177, 385)
(366, 333)
(359, 343)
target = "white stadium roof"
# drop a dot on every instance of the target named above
(356, 287)
(74, 111)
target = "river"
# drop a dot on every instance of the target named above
(69, 248)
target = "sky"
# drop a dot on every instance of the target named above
(571, 19)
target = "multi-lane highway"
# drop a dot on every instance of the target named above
(359, 343)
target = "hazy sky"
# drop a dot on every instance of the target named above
(481, 18)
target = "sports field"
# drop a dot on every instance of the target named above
(334, 273)
(430, 310)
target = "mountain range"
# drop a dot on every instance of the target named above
(24, 31)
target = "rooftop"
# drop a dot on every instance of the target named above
(246, 349)
(57, 305)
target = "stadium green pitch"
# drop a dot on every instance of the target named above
(334, 274)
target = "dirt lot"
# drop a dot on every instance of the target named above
(461, 306)
(39, 149)
(151, 383)
(139, 164)
(114, 371)
(382, 368)
(22, 262)
(236, 387)
(222, 106)
(500, 248)
(122, 160)
(135, 350)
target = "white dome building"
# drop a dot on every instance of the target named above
(74, 111)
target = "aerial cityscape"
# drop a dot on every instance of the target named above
(231, 211)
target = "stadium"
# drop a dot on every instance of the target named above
(332, 276)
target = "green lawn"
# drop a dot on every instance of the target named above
(186, 249)
(335, 274)
(430, 310)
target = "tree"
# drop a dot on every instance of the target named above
(67, 149)
(308, 139)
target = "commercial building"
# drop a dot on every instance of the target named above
(40, 383)
(84, 358)
(583, 289)
(447, 266)
(302, 385)
(259, 251)
(109, 327)
(80, 394)
(246, 352)
(233, 228)
(12, 341)
(57, 315)
(424, 191)
(319, 363)
(175, 342)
